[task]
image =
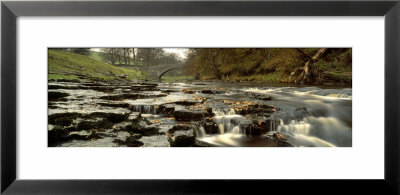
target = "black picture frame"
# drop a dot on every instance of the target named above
(10, 10)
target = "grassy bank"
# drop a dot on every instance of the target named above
(333, 66)
(67, 65)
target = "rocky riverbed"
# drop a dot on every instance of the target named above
(104, 114)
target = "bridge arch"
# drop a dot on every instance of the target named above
(165, 71)
(155, 72)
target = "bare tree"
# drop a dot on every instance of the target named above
(306, 72)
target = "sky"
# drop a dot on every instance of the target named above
(180, 51)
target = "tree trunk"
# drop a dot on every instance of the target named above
(215, 67)
(125, 56)
(307, 70)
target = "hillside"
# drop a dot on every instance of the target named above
(333, 66)
(67, 65)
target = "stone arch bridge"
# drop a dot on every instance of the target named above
(154, 72)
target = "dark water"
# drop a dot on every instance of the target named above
(303, 116)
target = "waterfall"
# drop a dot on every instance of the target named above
(199, 130)
(228, 121)
(317, 131)
(145, 109)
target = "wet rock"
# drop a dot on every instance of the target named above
(62, 119)
(55, 95)
(188, 91)
(88, 125)
(112, 117)
(253, 108)
(92, 136)
(185, 103)
(144, 87)
(181, 136)
(169, 91)
(132, 96)
(103, 134)
(259, 96)
(116, 105)
(101, 88)
(253, 130)
(120, 97)
(130, 141)
(260, 127)
(211, 128)
(208, 91)
(265, 98)
(145, 131)
(66, 119)
(279, 137)
(141, 126)
(167, 109)
(179, 128)
(57, 136)
(136, 136)
(187, 115)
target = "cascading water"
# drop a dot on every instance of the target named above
(145, 109)
(307, 116)
(315, 117)
(228, 121)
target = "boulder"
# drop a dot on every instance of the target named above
(56, 136)
(167, 109)
(63, 119)
(181, 136)
(247, 109)
(55, 95)
(141, 126)
(211, 128)
(130, 141)
(260, 127)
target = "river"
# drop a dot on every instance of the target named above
(212, 113)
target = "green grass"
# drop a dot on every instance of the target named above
(68, 65)
(263, 78)
(96, 56)
(60, 76)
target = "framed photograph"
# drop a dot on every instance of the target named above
(198, 97)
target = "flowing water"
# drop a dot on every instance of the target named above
(304, 116)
